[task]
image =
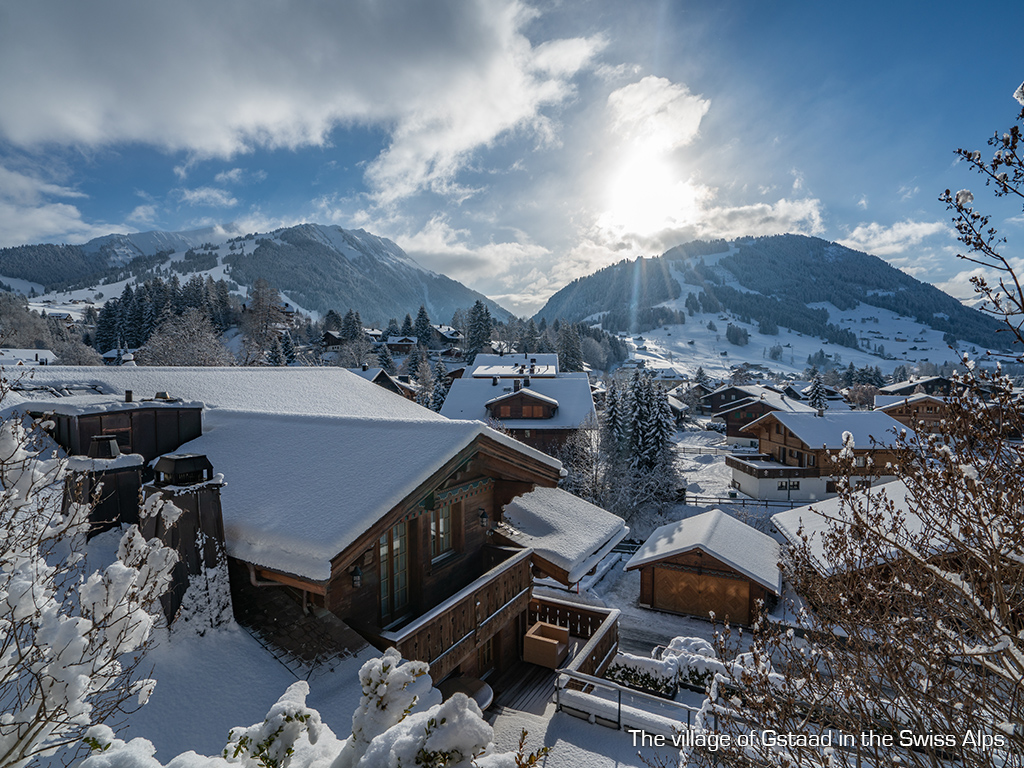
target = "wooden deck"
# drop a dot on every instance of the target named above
(528, 687)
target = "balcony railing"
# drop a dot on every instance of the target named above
(756, 468)
(445, 634)
(599, 627)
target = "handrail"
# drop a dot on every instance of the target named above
(566, 672)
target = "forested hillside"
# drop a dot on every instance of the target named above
(770, 282)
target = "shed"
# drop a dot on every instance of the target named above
(711, 563)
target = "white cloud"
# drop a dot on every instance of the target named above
(208, 196)
(28, 214)
(863, 202)
(659, 114)
(885, 241)
(239, 176)
(143, 214)
(214, 80)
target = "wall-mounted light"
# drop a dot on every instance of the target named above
(484, 519)
(357, 577)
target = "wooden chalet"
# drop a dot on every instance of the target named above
(921, 412)
(708, 565)
(360, 504)
(741, 406)
(795, 449)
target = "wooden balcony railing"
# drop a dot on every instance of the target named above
(446, 633)
(598, 626)
(776, 471)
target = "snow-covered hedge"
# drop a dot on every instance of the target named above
(696, 661)
(656, 676)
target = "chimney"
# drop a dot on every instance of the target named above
(515, 385)
(103, 447)
(365, 366)
(526, 381)
(494, 381)
(182, 469)
(128, 395)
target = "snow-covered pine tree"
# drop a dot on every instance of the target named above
(408, 329)
(351, 328)
(817, 397)
(440, 386)
(479, 330)
(412, 361)
(385, 360)
(422, 327)
(570, 348)
(275, 356)
(287, 348)
(425, 377)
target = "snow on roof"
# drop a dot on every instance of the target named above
(527, 391)
(887, 401)
(13, 356)
(772, 399)
(369, 373)
(565, 530)
(77, 405)
(326, 391)
(818, 519)
(752, 553)
(827, 431)
(468, 398)
(509, 365)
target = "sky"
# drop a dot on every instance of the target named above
(513, 146)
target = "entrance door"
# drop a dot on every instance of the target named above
(394, 575)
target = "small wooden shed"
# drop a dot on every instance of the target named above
(711, 563)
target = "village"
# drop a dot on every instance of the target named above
(323, 515)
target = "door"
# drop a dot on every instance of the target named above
(394, 575)
(687, 591)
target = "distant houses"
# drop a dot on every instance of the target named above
(794, 459)
(524, 394)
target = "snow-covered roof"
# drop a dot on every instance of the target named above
(771, 399)
(326, 391)
(368, 373)
(827, 431)
(13, 356)
(818, 519)
(468, 398)
(311, 457)
(914, 383)
(563, 529)
(747, 550)
(887, 401)
(528, 392)
(542, 363)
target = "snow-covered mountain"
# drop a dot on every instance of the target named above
(316, 267)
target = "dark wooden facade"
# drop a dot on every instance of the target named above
(696, 583)
(778, 442)
(522, 404)
(737, 418)
(924, 414)
(483, 628)
(148, 430)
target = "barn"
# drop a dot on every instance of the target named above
(711, 563)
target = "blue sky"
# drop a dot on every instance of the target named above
(513, 146)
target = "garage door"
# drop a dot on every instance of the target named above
(682, 591)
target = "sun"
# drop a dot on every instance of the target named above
(645, 194)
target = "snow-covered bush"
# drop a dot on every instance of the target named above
(656, 676)
(70, 639)
(696, 660)
(399, 722)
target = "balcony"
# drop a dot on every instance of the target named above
(448, 632)
(763, 468)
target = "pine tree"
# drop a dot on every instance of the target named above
(332, 321)
(570, 348)
(479, 330)
(817, 397)
(287, 348)
(701, 377)
(351, 328)
(385, 360)
(422, 327)
(408, 329)
(412, 362)
(425, 377)
(441, 386)
(275, 356)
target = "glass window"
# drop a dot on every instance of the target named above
(441, 531)
(394, 574)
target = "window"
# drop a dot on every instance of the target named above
(794, 485)
(505, 411)
(441, 531)
(533, 411)
(394, 575)
(859, 461)
(783, 485)
(811, 459)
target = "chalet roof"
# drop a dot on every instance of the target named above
(563, 529)
(912, 384)
(827, 431)
(745, 549)
(468, 398)
(507, 365)
(311, 457)
(884, 402)
(770, 399)
(816, 520)
(401, 340)
(526, 392)
(324, 391)
(13, 356)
